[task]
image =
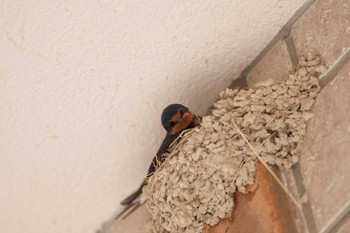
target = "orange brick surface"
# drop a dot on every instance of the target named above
(265, 208)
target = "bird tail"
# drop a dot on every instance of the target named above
(132, 197)
(133, 202)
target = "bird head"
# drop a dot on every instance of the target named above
(176, 118)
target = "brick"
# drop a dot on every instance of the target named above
(293, 185)
(325, 161)
(265, 208)
(345, 227)
(324, 28)
(274, 65)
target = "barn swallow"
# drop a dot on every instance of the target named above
(175, 119)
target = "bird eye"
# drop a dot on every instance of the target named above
(171, 123)
(181, 111)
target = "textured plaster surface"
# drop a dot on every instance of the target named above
(135, 223)
(82, 87)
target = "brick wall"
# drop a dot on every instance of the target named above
(321, 26)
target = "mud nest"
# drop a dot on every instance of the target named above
(196, 184)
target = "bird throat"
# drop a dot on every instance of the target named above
(189, 121)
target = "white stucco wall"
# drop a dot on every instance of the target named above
(82, 86)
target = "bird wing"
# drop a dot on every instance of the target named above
(132, 197)
(137, 200)
(162, 153)
(164, 147)
(134, 200)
